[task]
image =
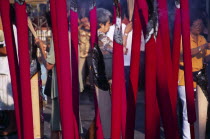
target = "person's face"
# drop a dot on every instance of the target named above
(45, 47)
(197, 27)
(85, 22)
(105, 28)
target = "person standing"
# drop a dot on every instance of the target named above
(128, 46)
(84, 51)
(102, 67)
(199, 50)
(48, 60)
(6, 95)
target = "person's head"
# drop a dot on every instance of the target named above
(196, 24)
(104, 19)
(85, 22)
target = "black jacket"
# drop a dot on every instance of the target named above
(98, 69)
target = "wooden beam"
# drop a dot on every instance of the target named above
(33, 1)
(36, 106)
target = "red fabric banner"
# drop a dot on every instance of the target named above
(143, 13)
(134, 73)
(13, 61)
(152, 115)
(170, 88)
(65, 95)
(164, 102)
(118, 81)
(185, 26)
(55, 42)
(93, 26)
(124, 110)
(74, 61)
(164, 31)
(24, 64)
(176, 51)
(124, 97)
(93, 41)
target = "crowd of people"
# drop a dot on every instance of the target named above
(99, 61)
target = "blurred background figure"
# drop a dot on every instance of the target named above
(6, 95)
(199, 50)
(84, 50)
(48, 60)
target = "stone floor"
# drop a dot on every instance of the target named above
(87, 115)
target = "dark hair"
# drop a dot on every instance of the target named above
(12, 14)
(194, 15)
(48, 17)
(103, 16)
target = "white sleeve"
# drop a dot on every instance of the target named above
(110, 33)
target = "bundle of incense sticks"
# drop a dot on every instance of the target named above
(30, 26)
